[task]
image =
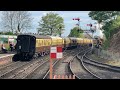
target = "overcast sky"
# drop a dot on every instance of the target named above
(67, 16)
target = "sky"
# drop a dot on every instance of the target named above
(68, 19)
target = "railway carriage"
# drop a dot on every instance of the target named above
(79, 41)
(42, 45)
(66, 43)
(88, 41)
(57, 41)
(84, 41)
(29, 46)
(73, 41)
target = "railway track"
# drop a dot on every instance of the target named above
(61, 66)
(90, 69)
(85, 67)
(35, 69)
(17, 68)
(41, 70)
(111, 67)
(22, 70)
(105, 71)
(79, 69)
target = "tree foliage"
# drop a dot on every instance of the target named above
(111, 21)
(76, 32)
(51, 24)
(16, 21)
(102, 16)
(111, 27)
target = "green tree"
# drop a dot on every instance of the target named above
(111, 21)
(112, 27)
(76, 32)
(103, 16)
(16, 21)
(51, 24)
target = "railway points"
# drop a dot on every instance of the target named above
(90, 69)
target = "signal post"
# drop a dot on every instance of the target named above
(55, 53)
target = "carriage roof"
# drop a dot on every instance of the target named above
(37, 36)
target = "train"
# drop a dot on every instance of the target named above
(29, 46)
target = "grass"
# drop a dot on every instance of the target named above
(110, 62)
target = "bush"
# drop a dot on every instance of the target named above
(106, 44)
